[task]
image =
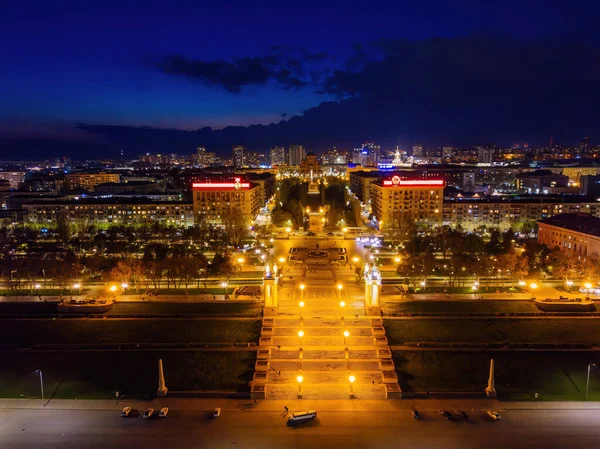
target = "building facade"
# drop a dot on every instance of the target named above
(238, 156)
(577, 235)
(212, 200)
(278, 156)
(14, 178)
(130, 211)
(89, 181)
(420, 199)
(504, 213)
(296, 154)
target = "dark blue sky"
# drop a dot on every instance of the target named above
(81, 77)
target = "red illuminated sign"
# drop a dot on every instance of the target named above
(396, 181)
(238, 184)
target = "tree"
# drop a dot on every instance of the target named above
(121, 272)
(236, 225)
(400, 227)
(280, 217)
(561, 265)
(515, 265)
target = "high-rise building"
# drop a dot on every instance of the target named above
(238, 156)
(252, 159)
(418, 151)
(296, 154)
(278, 156)
(200, 156)
(485, 155)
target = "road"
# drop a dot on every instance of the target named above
(25, 429)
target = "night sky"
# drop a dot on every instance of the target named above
(85, 79)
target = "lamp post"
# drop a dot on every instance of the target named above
(281, 259)
(299, 379)
(300, 334)
(301, 304)
(351, 379)
(569, 285)
(346, 335)
(587, 384)
(302, 287)
(339, 289)
(533, 286)
(475, 287)
(113, 290)
(224, 285)
(588, 287)
(39, 371)
(76, 286)
(124, 286)
(342, 305)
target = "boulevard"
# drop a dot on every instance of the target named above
(372, 424)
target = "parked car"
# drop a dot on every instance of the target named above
(125, 412)
(415, 413)
(461, 414)
(148, 413)
(492, 416)
(445, 413)
(217, 412)
(163, 412)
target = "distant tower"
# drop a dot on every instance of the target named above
(551, 142)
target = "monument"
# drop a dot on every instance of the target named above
(162, 388)
(490, 390)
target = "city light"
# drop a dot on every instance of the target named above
(124, 286)
(76, 286)
(342, 304)
(302, 286)
(533, 286)
(340, 286)
(299, 379)
(113, 288)
(300, 334)
(346, 334)
(355, 259)
(241, 260)
(352, 379)
(281, 259)
(397, 259)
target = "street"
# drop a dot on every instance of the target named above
(391, 427)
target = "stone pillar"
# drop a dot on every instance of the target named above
(270, 294)
(490, 390)
(162, 388)
(372, 291)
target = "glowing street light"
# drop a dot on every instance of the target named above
(301, 304)
(569, 285)
(342, 305)
(281, 259)
(397, 259)
(533, 286)
(588, 287)
(124, 285)
(302, 287)
(346, 335)
(522, 283)
(241, 260)
(37, 286)
(355, 259)
(224, 286)
(76, 286)
(113, 289)
(299, 379)
(351, 379)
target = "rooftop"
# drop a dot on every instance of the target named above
(584, 223)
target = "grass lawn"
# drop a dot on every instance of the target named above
(543, 330)
(442, 307)
(519, 375)
(91, 374)
(181, 291)
(225, 308)
(128, 331)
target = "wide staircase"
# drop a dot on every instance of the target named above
(305, 353)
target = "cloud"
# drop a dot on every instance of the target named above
(286, 67)
(457, 91)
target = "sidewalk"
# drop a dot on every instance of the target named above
(278, 405)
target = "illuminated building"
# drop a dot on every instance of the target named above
(238, 156)
(88, 181)
(577, 235)
(122, 212)
(278, 156)
(214, 199)
(15, 178)
(420, 199)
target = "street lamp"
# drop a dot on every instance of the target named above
(342, 305)
(301, 304)
(281, 259)
(339, 289)
(224, 285)
(300, 334)
(569, 285)
(355, 259)
(397, 259)
(113, 289)
(299, 379)
(522, 283)
(39, 371)
(588, 287)
(346, 335)
(351, 379)
(587, 384)
(124, 286)
(302, 287)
